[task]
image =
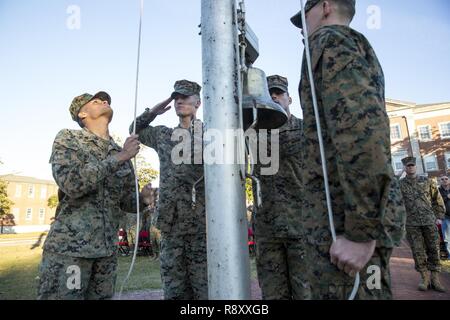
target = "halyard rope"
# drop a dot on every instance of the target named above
(136, 182)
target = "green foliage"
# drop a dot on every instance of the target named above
(146, 175)
(52, 201)
(145, 171)
(5, 203)
(249, 190)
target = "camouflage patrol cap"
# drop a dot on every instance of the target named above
(409, 160)
(297, 18)
(278, 82)
(79, 101)
(186, 88)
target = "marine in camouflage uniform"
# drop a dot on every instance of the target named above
(279, 243)
(424, 205)
(365, 195)
(95, 184)
(183, 227)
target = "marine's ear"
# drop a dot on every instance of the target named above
(82, 115)
(327, 8)
(198, 103)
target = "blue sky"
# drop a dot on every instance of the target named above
(44, 64)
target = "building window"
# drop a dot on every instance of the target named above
(447, 160)
(18, 190)
(397, 163)
(30, 191)
(445, 130)
(431, 163)
(43, 192)
(29, 215)
(396, 133)
(41, 214)
(424, 133)
(15, 213)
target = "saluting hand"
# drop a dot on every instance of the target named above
(350, 256)
(161, 107)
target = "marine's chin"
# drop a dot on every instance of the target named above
(182, 114)
(109, 113)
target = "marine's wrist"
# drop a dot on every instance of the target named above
(120, 157)
(148, 115)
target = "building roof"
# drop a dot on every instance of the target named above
(399, 102)
(24, 179)
(431, 107)
(397, 105)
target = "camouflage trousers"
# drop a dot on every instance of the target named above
(326, 282)
(424, 243)
(155, 238)
(281, 267)
(70, 278)
(184, 267)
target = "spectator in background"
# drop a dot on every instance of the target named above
(444, 189)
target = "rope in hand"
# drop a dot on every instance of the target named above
(136, 182)
(321, 146)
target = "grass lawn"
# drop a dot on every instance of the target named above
(19, 270)
(145, 274)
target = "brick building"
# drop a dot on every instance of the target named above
(421, 130)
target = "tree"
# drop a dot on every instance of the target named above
(249, 184)
(52, 201)
(249, 190)
(146, 175)
(145, 172)
(5, 204)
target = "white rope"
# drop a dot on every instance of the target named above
(321, 146)
(136, 182)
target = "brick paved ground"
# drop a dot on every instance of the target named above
(405, 278)
(404, 281)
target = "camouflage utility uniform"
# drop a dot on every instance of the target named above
(94, 188)
(183, 228)
(279, 244)
(365, 195)
(423, 205)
